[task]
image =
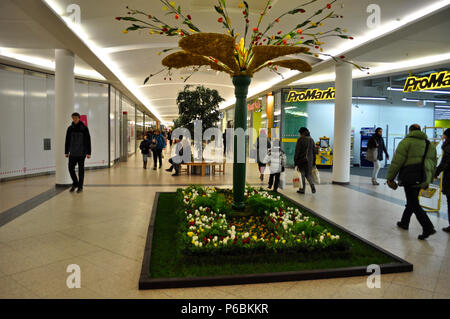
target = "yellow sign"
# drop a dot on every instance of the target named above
(433, 81)
(311, 95)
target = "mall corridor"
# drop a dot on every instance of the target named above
(103, 230)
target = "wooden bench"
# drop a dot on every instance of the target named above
(203, 165)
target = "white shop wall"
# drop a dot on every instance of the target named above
(12, 133)
(91, 99)
(27, 108)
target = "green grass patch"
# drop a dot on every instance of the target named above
(168, 261)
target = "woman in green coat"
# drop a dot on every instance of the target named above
(411, 151)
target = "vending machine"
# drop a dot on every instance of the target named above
(366, 134)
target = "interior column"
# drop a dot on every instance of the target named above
(342, 124)
(64, 106)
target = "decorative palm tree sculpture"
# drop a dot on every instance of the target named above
(240, 60)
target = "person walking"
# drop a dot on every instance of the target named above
(276, 158)
(444, 167)
(304, 158)
(377, 141)
(77, 148)
(177, 159)
(159, 143)
(145, 150)
(415, 163)
(262, 141)
(169, 137)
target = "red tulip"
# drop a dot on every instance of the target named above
(220, 20)
(255, 29)
(189, 17)
(328, 6)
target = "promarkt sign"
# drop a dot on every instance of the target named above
(433, 81)
(311, 95)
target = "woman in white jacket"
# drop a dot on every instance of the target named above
(276, 158)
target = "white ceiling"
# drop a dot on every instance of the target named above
(136, 53)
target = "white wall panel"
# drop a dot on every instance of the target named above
(98, 123)
(11, 124)
(37, 123)
(51, 126)
(112, 124)
(118, 126)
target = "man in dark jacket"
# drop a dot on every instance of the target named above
(377, 141)
(411, 151)
(444, 167)
(77, 148)
(305, 158)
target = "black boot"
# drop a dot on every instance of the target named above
(446, 229)
(313, 189)
(72, 189)
(301, 191)
(145, 165)
(427, 233)
(400, 225)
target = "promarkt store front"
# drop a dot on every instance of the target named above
(390, 102)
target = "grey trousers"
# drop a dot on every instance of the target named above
(306, 174)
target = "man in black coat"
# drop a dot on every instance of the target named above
(377, 141)
(77, 148)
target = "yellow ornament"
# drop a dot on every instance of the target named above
(313, 24)
(125, 31)
(172, 3)
(164, 8)
(241, 5)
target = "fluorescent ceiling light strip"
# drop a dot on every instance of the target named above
(410, 100)
(48, 64)
(105, 58)
(369, 98)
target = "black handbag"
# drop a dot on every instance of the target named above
(414, 175)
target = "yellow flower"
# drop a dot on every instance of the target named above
(276, 241)
(241, 5)
(298, 240)
(125, 31)
(284, 241)
(193, 242)
(151, 31)
(190, 234)
(255, 238)
(288, 37)
(328, 234)
(215, 245)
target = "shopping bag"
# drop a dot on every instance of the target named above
(297, 180)
(316, 175)
(282, 180)
(372, 154)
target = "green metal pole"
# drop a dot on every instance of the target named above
(241, 84)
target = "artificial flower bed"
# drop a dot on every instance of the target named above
(210, 227)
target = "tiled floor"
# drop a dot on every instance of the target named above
(103, 230)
